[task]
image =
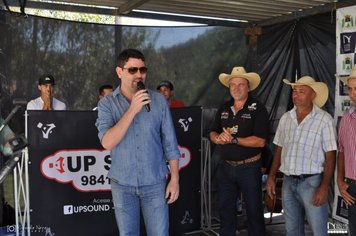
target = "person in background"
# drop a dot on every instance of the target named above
(346, 160)
(104, 90)
(141, 141)
(166, 89)
(241, 128)
(46, 101)
(305, 142)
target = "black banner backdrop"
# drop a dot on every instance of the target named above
(69, 191)
(185, 212)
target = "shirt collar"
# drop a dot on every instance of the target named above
(314, 111)
(117, 91)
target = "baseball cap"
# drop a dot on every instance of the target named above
(165, 83)
(46, 79)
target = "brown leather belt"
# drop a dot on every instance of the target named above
(246, 161)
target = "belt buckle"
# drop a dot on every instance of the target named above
(246, 161)
(234, 163)
(297, 177)
(350, 181)
(302, 176)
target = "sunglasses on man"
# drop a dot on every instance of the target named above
(133, 70)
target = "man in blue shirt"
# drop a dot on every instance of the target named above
(141, 143)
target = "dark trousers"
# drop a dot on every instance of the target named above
(352, 211)
(247, 179)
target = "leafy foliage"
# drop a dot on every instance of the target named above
(81, 57)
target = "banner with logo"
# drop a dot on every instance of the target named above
(345, 60)
(185, 212)
(69, 189)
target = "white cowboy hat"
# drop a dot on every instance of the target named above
(239, 72)
(352, 75)
(320, 88)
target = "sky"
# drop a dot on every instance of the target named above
(171, 32)
(172, 36)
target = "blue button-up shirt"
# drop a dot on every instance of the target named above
(150, 141)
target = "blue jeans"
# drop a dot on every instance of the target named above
(297, 197)
(128, 201)
(352, 211)
(247, 179)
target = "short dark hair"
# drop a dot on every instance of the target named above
(167, 84)
(105, 86)
(126, 54)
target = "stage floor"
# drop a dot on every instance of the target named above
(274, 228)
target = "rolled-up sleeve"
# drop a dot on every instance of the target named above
(169, 139)
(105, 118)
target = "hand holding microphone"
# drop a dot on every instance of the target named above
(141, 86)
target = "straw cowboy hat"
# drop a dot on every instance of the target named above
(352, 75)
(239, 72)
(320, 88)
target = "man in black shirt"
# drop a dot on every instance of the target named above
(241, 127)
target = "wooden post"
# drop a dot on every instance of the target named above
(252, 32)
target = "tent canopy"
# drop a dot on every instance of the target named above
(212, 12)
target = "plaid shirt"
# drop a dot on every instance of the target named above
(304, 145)
(347, 143)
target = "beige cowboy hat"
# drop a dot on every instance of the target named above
(240, 72)
(320, 88)
(352, 75)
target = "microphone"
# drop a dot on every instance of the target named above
(140, 86)
(19, 101)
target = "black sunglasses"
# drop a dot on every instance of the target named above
(133, 70)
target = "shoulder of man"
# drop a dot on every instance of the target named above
(34, 104)
(59, 105)
(323, 113)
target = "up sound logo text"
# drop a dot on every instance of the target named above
(70, 209)
(87, 169)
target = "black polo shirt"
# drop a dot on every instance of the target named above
(251, 120)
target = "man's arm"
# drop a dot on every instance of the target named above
(172, 190)
(271, 180)
(217, 138)
(342, 185)
(251, 141)
(226, 138)
(321, 194)
(115, 134)
(257, 139)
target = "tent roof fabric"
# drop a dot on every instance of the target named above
(248, 12)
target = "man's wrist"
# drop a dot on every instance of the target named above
(235, 141)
